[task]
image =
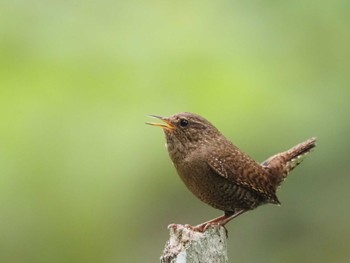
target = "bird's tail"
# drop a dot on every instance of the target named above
(281, 164)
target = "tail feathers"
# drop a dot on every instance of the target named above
(281, 164)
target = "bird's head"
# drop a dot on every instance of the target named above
(185, 132)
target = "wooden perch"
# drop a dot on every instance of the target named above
(188, 246)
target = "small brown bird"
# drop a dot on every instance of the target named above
(219, 173)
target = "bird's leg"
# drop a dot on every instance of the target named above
(221, 221)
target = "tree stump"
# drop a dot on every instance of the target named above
(188, 246)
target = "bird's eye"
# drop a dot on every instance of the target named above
(183, 122)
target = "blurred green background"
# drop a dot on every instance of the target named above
(83, 179)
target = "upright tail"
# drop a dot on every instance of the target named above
(281, 164)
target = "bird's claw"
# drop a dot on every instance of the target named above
(173, 226)
(204, 227)
(198, 228)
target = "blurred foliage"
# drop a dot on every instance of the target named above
(82, 179)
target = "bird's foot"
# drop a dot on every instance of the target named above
(174, 226)
(201, 227)
(219, 221)
(198, 228)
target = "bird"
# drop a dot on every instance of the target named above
(218, 172)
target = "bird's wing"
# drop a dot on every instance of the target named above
(243, 171)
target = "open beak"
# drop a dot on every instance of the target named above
(166, 125)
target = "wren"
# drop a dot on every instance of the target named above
(219, 173)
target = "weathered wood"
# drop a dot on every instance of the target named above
(188, 246)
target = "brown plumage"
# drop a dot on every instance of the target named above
(219, 173)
